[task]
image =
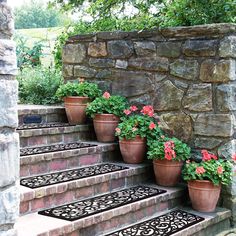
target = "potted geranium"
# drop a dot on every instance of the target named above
(133, 132)
(168, 155)
(205, 179)
(106, 112)
(76, 97)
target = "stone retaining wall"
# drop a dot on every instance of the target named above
(186, 73)
(9, 140)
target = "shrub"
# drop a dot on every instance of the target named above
(27, 56)
(38, 85)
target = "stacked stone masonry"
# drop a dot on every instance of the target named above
(9, 140)
(186, 73)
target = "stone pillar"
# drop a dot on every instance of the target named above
(9, 140)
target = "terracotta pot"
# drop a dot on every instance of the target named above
(167, 173)
(75, 109)
(105, 125)
(204, 195)
(133, 150)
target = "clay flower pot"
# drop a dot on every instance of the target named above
(167, 173)
(133, 150)
(105, 125)
(75, 109)
(204, 195)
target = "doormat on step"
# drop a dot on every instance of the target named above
(42, 126)
(69, 175)
(54, 148)
(163, 225)
(91, 206)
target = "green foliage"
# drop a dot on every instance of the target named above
(211, 171)
(107, 105)
(197, 12)
(109, 15)
(36, 15)
(27, 56)
(84, 89)
(39, 85)
(156, 149)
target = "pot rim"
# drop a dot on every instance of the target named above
(202, 181)
(75, 97)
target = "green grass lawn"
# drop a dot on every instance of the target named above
(46, 35)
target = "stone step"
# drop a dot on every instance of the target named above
(181, 221)
(64, 134)
(60, 193)
(99, 216)
(41, 114)
(61, 160)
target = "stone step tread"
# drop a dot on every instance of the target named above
(42, 125)
(125, 170)
(47, 156)
(36, 199)
(52, 178)
(54, 130)
(31, 224)
(37, 109)
(229, 232)
(58, 147)
(74, 158)
(181, 221)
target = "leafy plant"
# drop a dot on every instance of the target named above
(139, 123)
(107, 104)
(27, 56)
(39, 85)
(168, 148)
(83, 89)
(218, 171)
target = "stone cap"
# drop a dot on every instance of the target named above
(197, 31)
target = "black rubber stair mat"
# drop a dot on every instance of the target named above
(54, 148)
(163, 225)
(42, 126)
(69, 175)
(91, 206)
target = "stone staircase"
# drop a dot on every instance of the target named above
(91, 190)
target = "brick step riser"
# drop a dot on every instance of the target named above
(68, 192)
(47, 139)
(45, 165)
(46, 115)
(117, 218)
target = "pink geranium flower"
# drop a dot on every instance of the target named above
(152, 126)
(127, 112)
(133, 108)
(234, 157)
(220, 170)
(106, 95)
(169, 150)
(148, 110)
(206, 156)
(118, 130)
(200, 170)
